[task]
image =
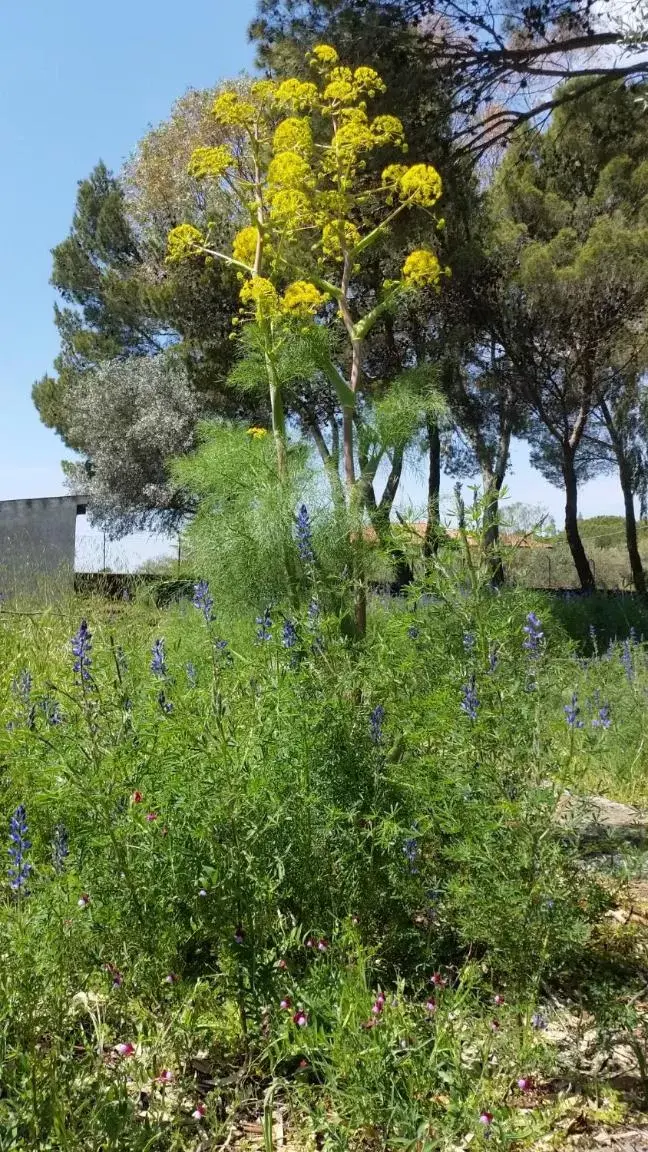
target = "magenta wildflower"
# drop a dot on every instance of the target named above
(438, 980)
(486, 1118)
(498, 1000)
(322, 945)
(494, 1025)
(309, 943)
(285, 1004)
(239, 935)
(525, 1083)
(151, 816)
(300, 1019)
(136, 798)
(171, 978)
(166, 1076)
(198, 1112)
(125, 1049)
(83, 900)
(430, 1006)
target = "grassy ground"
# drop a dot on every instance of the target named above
(278, 890)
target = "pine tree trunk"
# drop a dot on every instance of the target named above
(636, 566)
(491, 527)
(579, 556)
(431, 538)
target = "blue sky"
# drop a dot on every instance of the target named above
(79, 82)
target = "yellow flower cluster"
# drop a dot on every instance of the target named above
(338, 234)
(421, 184)
(324, 54)
(257, 433)
(340, 92)
(290, 206)
(421, 269)
(244, 246)
(388, 130)
(367, 80)
(294, 135)
(288, 170)
(302, 299)
(210, 162)
(183, 242)
(298, 94)
(261, 295)
(231, 111)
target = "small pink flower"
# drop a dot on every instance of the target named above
(303, 1064)
(380, 999)
(239, 935)
(498, 1000)
(171, 978)
(125, 1049)
(486, 1118)
(494, 1025)
(285, 1004)
(281, 965)
(151, 816)
(202, 892)
(322, 945)
(136, 798)
(430, 1006)
(166, 1076)
(83, 900)
(309, 943)
(525, 1083)
(117, 978)
(300, 1019)
(198, 1112)
(438, 980)
(377, 1008)
(355, 919)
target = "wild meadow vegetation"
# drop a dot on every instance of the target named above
(292, 862)
(266, 884)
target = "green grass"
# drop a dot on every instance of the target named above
(253, 830)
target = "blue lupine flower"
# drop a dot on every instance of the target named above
(165, 705)
(289, 634)
(203, 600)
(375, 723)
(304, 536)
(602, 719)
(533, 635)
(572, 713)
(411, 853)
(264, 627)
(51, 711)
(81, 650)
(20, 867)
(626, 660)
(60, 847)
(538, 1021)
(469, 643)
(158, 663)
(21, 685)
(470, 699)
(412, 631)
(313, 612)
(192, 675)
(633, 635)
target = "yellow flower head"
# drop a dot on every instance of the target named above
(388, 130)
(209, 162)
(293, 135)
(244, 247)
(302, 299)
(367, 80)
(291, 207)
(264, 90)
(351, 138)
(324, 55)
(230, 110)
(421, 269)
(337, 236)
(261, 295)
(421, 184)
(257, 433)
(183, 242)
(393, 174)
(298, 94)
(288, 170)
(339, 92)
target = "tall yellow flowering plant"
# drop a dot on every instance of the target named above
(312, 210)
